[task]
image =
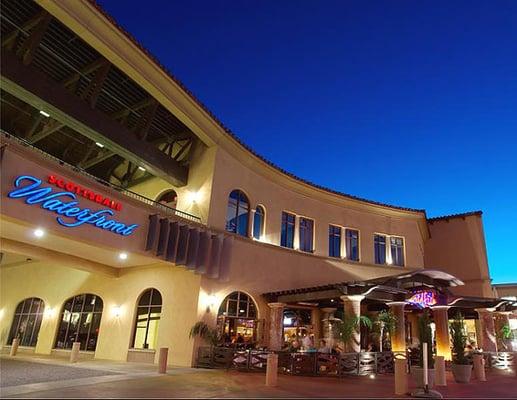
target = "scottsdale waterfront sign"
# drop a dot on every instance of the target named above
(69, 213)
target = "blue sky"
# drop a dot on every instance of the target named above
(412, 103)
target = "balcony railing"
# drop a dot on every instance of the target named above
(163, 209)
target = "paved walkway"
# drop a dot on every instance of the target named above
(125, 380)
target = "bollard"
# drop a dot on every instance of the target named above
(272, 369)
(162, 360)
(74, 354)
(479, 367)
(400, 376)
(14, 347)
(439, 366)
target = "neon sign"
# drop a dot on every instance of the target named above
(424, 298)
(69, 214)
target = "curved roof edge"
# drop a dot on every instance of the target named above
(451, 216)
(227, 130)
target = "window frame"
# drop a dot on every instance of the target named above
(312, 236)
(149, 307)
(340, 247)
(236, 216)
(386, 240)
(287, 213)
(263, 227)
(38, 319)
(403, 251)
(349, 228)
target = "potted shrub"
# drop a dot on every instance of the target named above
(461, 367)
(385, 323)
(208, 334)
(349, 325)
(425, 336)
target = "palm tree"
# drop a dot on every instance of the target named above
(350, 325)
(385, 323)
(208, 334)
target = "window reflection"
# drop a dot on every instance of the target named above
(27, 322)
(147, 322)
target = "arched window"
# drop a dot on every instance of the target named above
(147, 320)
(238, 213)
(237, 318)
(27, 321)
(80, 321)
(258, 222)
(168, 198)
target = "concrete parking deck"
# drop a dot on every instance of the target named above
(124, 380)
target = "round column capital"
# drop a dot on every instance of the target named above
(438, 308)
(329, 309)
(276, 305)
(353, 297)
(484, 310)
(396, 303)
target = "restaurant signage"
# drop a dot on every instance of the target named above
(70, 214)
(424, 298)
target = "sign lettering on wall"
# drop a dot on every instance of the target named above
(66, 206)
(424, 298)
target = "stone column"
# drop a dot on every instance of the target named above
(316, 325)
(502, 318)
(398, 340)
(413, 320)
(487, 339)
(352, 305)
(276, 324)
(441, 322)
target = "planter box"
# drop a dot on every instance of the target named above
(461, 373)
(417, 374)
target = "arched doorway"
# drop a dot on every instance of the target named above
(237, 319)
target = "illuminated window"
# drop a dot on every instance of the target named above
(287, 237)
(236, 319)
(379, 243)
(306, 234)
(168, 198)
(334, 241)
(352, 244)
(148, 312)
(397, 250)
(237, 214)
(258, 222)
(27, 321)
(80, 320)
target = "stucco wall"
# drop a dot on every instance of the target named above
(457, 245)
(56, 283)
(230, 174)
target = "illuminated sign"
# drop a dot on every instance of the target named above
(69, 214)
(424, 298)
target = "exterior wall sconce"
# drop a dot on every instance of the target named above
(117, 311)
(210, 302)
(49, 312)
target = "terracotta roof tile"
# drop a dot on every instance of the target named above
(462, 215)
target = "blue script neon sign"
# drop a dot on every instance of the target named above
(70, 215)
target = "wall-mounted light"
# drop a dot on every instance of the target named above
(194, 197)
(141, 169)
(122, 256)
(98, 144)
(116, 311)
(45, 114)
(38, 232)
(210, 302)
(49, 312)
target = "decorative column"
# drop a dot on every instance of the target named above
(441, 322)
(276, 325)
(398, 340)
(352, 305)
(487, 338)
(502, 319)
(316, 325)
(328, 334)
(413, 320)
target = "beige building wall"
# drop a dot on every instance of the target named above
(457, 246)
(56, 283)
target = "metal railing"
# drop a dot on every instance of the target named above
(323, 364)
(168, 211)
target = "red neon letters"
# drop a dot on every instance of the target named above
(86, 193)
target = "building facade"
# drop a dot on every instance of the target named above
(129, 213)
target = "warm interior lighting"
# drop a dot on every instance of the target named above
(45, 114)
(39, 233)
(99, 144)
(122, 256)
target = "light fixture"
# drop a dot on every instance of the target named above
(117, 311)
(372, 376)
(45, 114)
(49, 312)
(141, 169)
(99, 144)
(194, 197)
(39, 233)
(122, 256)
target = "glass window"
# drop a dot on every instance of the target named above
(80, 320)
(236, 319)
(306, 234)
(27, 322)
(148, 313)
(352, 244)
(380, 249)
(287, 237)
(397, 250)
(258, 222)
(168, 198)
(334, 241)
(237, 213)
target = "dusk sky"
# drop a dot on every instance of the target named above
(412, 103)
